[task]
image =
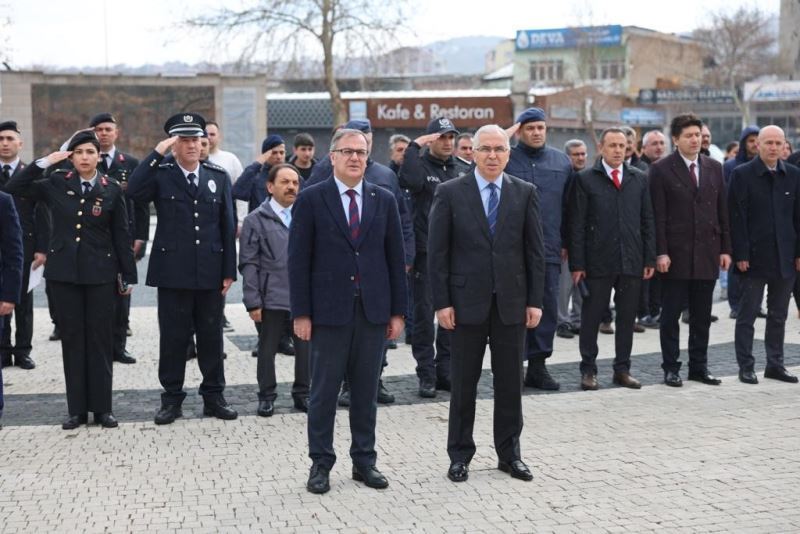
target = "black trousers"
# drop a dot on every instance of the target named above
(430, 365)
(699, 295)
(122, 310)
(180, 311)
(779, 290)
(23, 321)
(270, 330)
(650, 297)
(626, 300)
(50, 305)
(507, 343)
(85, 317)
(354, 351)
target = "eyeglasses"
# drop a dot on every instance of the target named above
(349, 152)
(490, 149)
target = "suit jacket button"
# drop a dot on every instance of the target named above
(195, 202)
(80, 213)
(196, 228)
(78, 226)
(77, 238)
(197, 242)
(196, 214)
(352, 278)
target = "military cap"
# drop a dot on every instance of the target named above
(362, 125)
(82, 137)
(271, 141)
(185, 125)
(531, 115)
(9, 125)
(101, 118)
(441, 125)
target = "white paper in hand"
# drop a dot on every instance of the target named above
(37, 275)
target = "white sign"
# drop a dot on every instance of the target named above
(772, 91)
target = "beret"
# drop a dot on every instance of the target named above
(531, 115)
(271, 141)
(101, 118)
(83, 137)
(362, 125)
(9, 125)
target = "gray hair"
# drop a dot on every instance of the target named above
(573, 143)
(398, 138)
(628, 131)
(346, 132)
(646, 137)
(490, 128)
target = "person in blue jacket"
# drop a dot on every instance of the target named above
(548, 169)
(251, 186)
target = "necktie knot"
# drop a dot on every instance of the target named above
(87, 186)
(7, 171)
(615, 178)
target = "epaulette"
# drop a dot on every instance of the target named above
(212, 166)
(66, 173)
(167, 165)
(106, 179)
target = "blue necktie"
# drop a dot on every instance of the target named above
(491, 212)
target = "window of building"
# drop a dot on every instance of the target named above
(545, 71)
(607, 69)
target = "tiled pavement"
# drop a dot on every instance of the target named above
(695, 459)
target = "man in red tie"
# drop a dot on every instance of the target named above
(693, 242)
(611, 246)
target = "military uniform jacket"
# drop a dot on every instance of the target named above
(89, 242)
(194, 246)
(34, 219)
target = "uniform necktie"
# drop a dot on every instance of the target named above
(615, 178)
(87, 186)
(353, 212)
(491, 210)
(192, 184)
(692, 171)
(6, 171)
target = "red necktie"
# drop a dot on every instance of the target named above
(615, 178)
(692, 168)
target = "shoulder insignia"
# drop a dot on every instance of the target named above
(104, 180)
(163, 165)
(121, 156)
(212, 166)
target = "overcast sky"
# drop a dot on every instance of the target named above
(73, 33)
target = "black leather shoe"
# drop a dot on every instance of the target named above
(639, 329)
(564, 331)
(458, 472)
(286, 346)
(219, 408)
(301, 403)
(384, 397)
(673, 379)
(713, 318)
(106, 420)
(25, 362)
(705, 377)
(748, 377)
(125, 357)
(318, 481)
(344, 396)
(780, 373)
(427, 389)
(443, 384)
(167, 414)
(265, 408)
(74, 421)
(371, 477)
(517, 469)
(537, 376)
(56, 335)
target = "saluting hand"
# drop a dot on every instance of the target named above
(510, 131)
(427, 139)
(264, 157)
(166, 144)
(55, 157)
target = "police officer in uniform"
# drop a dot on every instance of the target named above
(119, 166)
(35, 221)
(192, 261)
(89, 260)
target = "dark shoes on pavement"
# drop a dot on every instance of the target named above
(125, 357)
(286, 346)
(220, 409)
(537, 376)
(265, 408)
(427, 389)
(167, 414)
(344, 396)
(589, 382)
(627, 381)
(606, 328)
(639, 329)
(673, 379)
(23, 361)
(517, 469)
(748, 376)
(705, 377)
(56, 335)
(74, 421)
(458, 472)
(106, 420)
(384, 397)
(780, 373)
(371, 477)
(318, 479)
(648, 322)
(564, 331)
(301, 403)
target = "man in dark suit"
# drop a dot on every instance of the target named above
(347, 294)
(612, 245)
(118, 165)
(34, 218)
(192, 262)
(764, 203)
(487, 272)
(10, 266)
(692, 243)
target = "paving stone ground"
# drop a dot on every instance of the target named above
(694, 459)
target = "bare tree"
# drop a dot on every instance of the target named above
(292, 30)
(740, 46)
(5, 35)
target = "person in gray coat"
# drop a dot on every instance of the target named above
(263, 258)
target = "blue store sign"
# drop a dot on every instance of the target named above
(569, 37)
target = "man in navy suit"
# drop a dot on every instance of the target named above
(10, 264)
(348, 294)
(192, 262)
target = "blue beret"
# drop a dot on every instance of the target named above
(271, 142)
(531, 115)
(362, 125)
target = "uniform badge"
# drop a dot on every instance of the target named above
(97, 210)
(188, 118)
(212, 186)
(70, 192)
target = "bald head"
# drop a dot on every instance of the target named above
(770, 144)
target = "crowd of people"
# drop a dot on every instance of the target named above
(460, 240)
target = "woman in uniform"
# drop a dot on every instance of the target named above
(89, 258)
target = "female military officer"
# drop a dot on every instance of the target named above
(89, 258)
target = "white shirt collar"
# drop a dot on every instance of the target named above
(93, 181)
(609, 168)
(688, 162)
(483, 182)
(342, 187)
(111, 153)
(277, 208)
(13, 164)
(196, 171)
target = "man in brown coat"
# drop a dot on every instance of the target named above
(692, 243)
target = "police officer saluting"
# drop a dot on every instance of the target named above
(192, 262)
(88, 248)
